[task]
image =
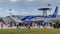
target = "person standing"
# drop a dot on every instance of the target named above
(1, 24)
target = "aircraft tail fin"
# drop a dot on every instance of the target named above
(55, 12)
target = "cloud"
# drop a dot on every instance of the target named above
(30, 0)
(23, 10)
(37, 1)
(14, 1)
(1, 1)
(53, 2)
(24, 13)
(0, 8)
(29, 12)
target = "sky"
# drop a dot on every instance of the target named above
(26, 7)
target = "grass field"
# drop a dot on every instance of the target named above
(31, 31)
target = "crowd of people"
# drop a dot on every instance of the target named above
(28, 24)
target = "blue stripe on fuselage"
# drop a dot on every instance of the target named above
(52, 16)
